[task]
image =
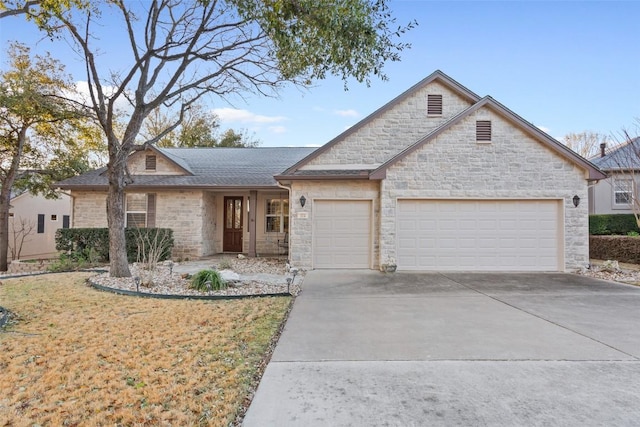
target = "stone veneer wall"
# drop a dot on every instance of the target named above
(301, 236)
(394, 130)
(209, 224)
(513, 165)
(89, 209)
(181, 211)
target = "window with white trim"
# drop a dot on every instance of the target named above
(277, 216)
(136, 210)
(623, 191)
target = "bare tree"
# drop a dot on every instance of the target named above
(183, 50)
(586, 143)
(19, 235)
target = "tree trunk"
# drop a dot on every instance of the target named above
(118, 264)
(5, 198)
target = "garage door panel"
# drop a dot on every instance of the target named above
(499, 235)
(341, 234)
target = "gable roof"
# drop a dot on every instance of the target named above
(437, 75)
(294, 171)
(207, 168)
(623, 157)
(527, 127)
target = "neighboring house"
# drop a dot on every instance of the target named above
(437, 179)
(215, 199)
(33, 222)
(441, 179)
(616, 194)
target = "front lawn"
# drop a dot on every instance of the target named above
(72, 355)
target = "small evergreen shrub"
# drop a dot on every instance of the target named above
(620, 224)
(208, 280)
(92, 244)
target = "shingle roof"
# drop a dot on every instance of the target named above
(210, 167)
(624, 157)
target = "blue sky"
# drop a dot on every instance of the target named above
(566, 66)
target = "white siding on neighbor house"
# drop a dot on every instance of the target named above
(512, 166)
(24, 210)
(601, 197)
(482, 235)
(342, 234)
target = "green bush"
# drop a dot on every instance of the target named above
(620, 224)
(618, 248)
(92, 244)
(208, 280)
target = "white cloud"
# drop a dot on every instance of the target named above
(313, 145)
(245, 116)
(277, 129)
(346, 113)
(543, 129)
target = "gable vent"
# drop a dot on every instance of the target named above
(434, 105)
(483, 130)
(150, 163)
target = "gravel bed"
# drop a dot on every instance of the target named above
(165, 281)
(611, 270)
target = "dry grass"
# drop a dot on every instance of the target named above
(77, 356)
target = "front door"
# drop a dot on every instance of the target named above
(232, 239)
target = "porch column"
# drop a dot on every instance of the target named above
(253, 206)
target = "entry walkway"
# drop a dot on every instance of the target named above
(364, 348)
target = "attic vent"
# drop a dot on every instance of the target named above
(483, 130)
(434, 105)
(150, 163)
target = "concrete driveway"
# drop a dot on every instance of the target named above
(362, 348)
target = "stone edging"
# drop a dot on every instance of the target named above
(177, 297)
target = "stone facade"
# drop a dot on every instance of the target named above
(302, 217)
(137, 165)
(394, 130)
(512, 166)
(452, 165)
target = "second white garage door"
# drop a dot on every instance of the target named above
(489, 235)
(341, 234)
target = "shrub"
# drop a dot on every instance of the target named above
(92, 244)
(208, 280)
(225, 264)
(612, 224)
(619, 248)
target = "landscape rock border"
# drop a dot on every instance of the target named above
(183, 297)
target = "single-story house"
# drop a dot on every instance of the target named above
(439, 178)
(215, 199)
(619, 192)
(33, 222)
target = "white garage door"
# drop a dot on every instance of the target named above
(342, 234)
(493, 235)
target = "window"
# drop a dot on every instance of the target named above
(150, 163)
(40, 223)
(54, 217)
(434, 105)
(483, 130)
(140, 210)
(65, 221)
(136, 210)
(623, 192)
(10, 214)
(277, 216)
